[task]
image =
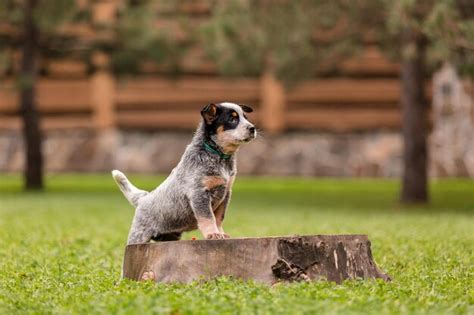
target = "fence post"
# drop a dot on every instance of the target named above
(102, 81)
(273, 104)
(103, 94)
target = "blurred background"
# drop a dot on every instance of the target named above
(377, 95)
(340, 88)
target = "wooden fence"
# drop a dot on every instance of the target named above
(100, 102)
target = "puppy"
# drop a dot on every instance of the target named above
(197, 192)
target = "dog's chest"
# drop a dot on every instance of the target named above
(218, 186)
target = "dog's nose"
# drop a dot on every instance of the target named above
(252, 129)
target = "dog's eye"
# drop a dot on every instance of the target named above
(234, 117)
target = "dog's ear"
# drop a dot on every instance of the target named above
(209, 113)
(246, 108)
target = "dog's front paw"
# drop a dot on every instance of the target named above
(222, 232)
(216, 236)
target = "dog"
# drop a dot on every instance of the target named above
(197, 192)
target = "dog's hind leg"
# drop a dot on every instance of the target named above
(140, 233)
(132, 193)
(143, 226)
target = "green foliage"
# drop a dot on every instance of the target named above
(140, 40)
(49, 15)
(4, 62)
(11, 12)
(250, 37)
(450, 35)
(61, 251)
(131, 40)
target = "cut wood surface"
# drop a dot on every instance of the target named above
(268, 260)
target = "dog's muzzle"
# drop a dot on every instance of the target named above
(252, 134)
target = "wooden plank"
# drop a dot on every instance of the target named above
(206, 68)
(178, 106)
(186, 119)
(343, 90)
(144, 96)
(158, 119)
(371, 61)
(83, 30)
(10, 123)
(190, 8)
(60, 96)
(266, 260)
(187, 90)
(8, 99)
(151, 106)
(346, 91)
(49, 123)
(67, 69)
(341, 120)
(248, 85)
(341, 106)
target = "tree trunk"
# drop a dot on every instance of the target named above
(31, 131)
(414, 119)
(266, 260)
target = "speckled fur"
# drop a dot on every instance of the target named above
(195, 195)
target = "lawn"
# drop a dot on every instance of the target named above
(61, 251)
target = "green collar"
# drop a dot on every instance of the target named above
(212, 147)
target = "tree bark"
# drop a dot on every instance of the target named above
(266, 260)
(33, 173)
(414, 119)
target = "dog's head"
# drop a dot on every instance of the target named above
(227, 125)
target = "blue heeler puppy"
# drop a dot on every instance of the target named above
(197, 192)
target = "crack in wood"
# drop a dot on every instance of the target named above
(288, 271)
(296, 256)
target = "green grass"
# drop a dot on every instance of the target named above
(61, 251)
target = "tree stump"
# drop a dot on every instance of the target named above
(268, 260)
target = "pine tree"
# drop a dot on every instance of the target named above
(35, 30)
(421, 35)
(247, 37)
(30, 28)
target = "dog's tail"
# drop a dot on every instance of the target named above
(132, 193)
